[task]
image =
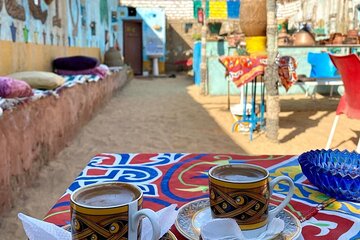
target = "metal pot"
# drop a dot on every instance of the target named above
(303, 38)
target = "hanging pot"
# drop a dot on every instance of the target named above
(253, 17)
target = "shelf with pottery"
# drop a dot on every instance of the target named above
(322, 46)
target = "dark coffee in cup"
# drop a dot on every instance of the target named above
(242, 192)
(236, 173)
(106, 196)
(110, 210)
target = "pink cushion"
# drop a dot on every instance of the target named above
(12, 88)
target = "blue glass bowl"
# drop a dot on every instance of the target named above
(336, 173)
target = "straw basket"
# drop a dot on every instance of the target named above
(253, 17)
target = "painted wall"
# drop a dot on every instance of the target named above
(62, 23)
(153, 30)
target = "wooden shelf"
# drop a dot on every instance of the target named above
(324, 46)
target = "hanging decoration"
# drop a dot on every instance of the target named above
(93, 28)
(51, 38)
(56, 18)
(57, 39)
(114, 17)
(14, 9)
(104, 11)
(233, 9)
(74, 4)
(36, 11)
(83, 14)
(36, 35)
(44, 37)
(26, 34)
(287, 70)
(218, 9)
(13, 29)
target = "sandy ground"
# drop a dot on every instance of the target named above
(169, 115)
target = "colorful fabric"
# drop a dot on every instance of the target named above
(168, 178)
(197, 4)
(218, 9)
(233, 8)
(99, 71)
(70, 81)
(287, 71)
(243, 69)
(12, 88)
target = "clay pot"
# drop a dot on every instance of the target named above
(283, 38)
(253, 17)
(352, 33)
(48, 2)
(113, 58)
(337, 38)
(303, 38)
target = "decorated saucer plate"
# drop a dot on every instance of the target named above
(193, 215)
(168, 236)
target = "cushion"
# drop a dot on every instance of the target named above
(12, 88)
(40, 80)
(75, 63)
(99, 71)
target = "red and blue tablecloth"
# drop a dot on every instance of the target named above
(168, 178)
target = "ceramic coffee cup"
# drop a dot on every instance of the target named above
(242, 192)
(110, 211)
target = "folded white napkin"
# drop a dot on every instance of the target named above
(39, 230)
(227, 229)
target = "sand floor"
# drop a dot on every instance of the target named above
(169, 115)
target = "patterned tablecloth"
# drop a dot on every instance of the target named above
(179, 178)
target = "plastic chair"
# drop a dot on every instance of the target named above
(349, 69)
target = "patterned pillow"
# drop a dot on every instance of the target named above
(12, 88)
(40, 80)
(75, 63)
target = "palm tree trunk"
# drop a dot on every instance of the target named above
(271, 75)
(203, 65)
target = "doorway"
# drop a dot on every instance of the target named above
(133, 45)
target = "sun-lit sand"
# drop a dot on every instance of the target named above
(169, 115)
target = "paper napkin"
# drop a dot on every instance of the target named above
(227, 229)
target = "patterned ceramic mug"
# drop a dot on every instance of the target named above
(109, 211)
(242, 192)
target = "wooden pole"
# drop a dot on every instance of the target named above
(203, 65)
(271, 75)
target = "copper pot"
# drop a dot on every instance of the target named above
(352, 33)
(337, 38)
(303, 38)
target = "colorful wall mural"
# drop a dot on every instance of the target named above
(79, 23)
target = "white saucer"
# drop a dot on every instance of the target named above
(193, 215)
